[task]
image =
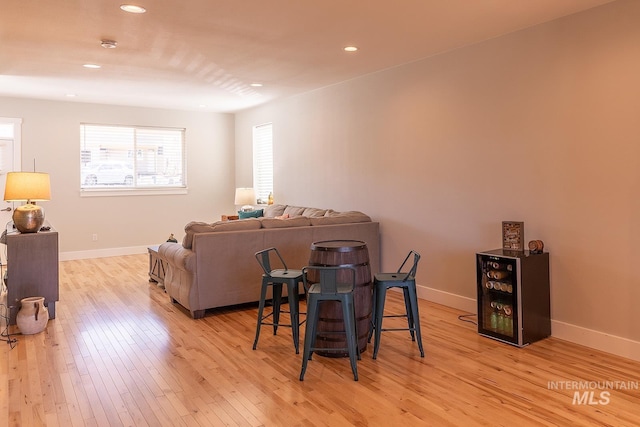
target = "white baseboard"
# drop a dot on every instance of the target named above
(619, 346)
(445, 298)
(102, 253)
(595, 339)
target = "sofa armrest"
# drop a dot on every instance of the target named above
(177, 256)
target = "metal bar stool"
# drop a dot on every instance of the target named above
(276, 278)
(328, 289)
(406, 281)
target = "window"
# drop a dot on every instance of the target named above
(263, 161)
(131, 157)
(6, 145)
(9, 145)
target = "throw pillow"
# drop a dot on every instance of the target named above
(294, 210)
(274, 210)
(250, 214)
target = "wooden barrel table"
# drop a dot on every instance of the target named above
(343, 253)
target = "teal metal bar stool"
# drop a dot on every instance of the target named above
(406, 281)
(276, 278)
(327, 288)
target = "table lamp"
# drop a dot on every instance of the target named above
(245, 197)
(29, 187)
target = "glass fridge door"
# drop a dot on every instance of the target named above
(497, 297)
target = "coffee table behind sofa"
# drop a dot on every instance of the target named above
(157, 266)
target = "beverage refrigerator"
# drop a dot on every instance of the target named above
(513, 296)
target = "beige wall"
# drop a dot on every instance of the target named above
(51, 135)
(538, 126)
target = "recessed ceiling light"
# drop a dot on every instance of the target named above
(70, 95)
(93, 66)
(256, 84)
(132, 8)
(350, 48)
(108, 44)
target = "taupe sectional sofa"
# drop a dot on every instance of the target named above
(215, 264)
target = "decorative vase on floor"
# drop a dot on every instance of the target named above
(33, 315)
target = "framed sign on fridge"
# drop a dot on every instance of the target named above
(513, 235)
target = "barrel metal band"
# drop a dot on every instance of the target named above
(362, 264)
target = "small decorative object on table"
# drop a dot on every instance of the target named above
(172, 239)
(513, 235)
(536, 246)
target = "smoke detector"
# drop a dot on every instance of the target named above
(108, 44)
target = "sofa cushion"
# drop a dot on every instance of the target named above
(247, 224)
(313, 212)
(345, 213)
(293, 210)
(202, 227)
(257, 213)
(272, 211)
(341, 218)
(298, 221)
(194, 227)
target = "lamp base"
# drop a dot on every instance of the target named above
(28, 218)
(246, 208)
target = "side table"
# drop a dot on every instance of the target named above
(32, 269)
(156, 266)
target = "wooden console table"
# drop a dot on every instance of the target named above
(32, 269)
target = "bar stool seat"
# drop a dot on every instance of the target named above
(406, 281)
(275, 278)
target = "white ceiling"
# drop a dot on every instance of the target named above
(190, 53)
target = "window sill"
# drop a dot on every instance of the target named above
(108, 192)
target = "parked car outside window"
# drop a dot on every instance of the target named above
(108, 173)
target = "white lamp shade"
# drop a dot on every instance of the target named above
(245, 196)
(33, 186)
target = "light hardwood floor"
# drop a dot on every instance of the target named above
(119, 353)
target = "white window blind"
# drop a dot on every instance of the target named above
(263, 161)
(131, 157)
